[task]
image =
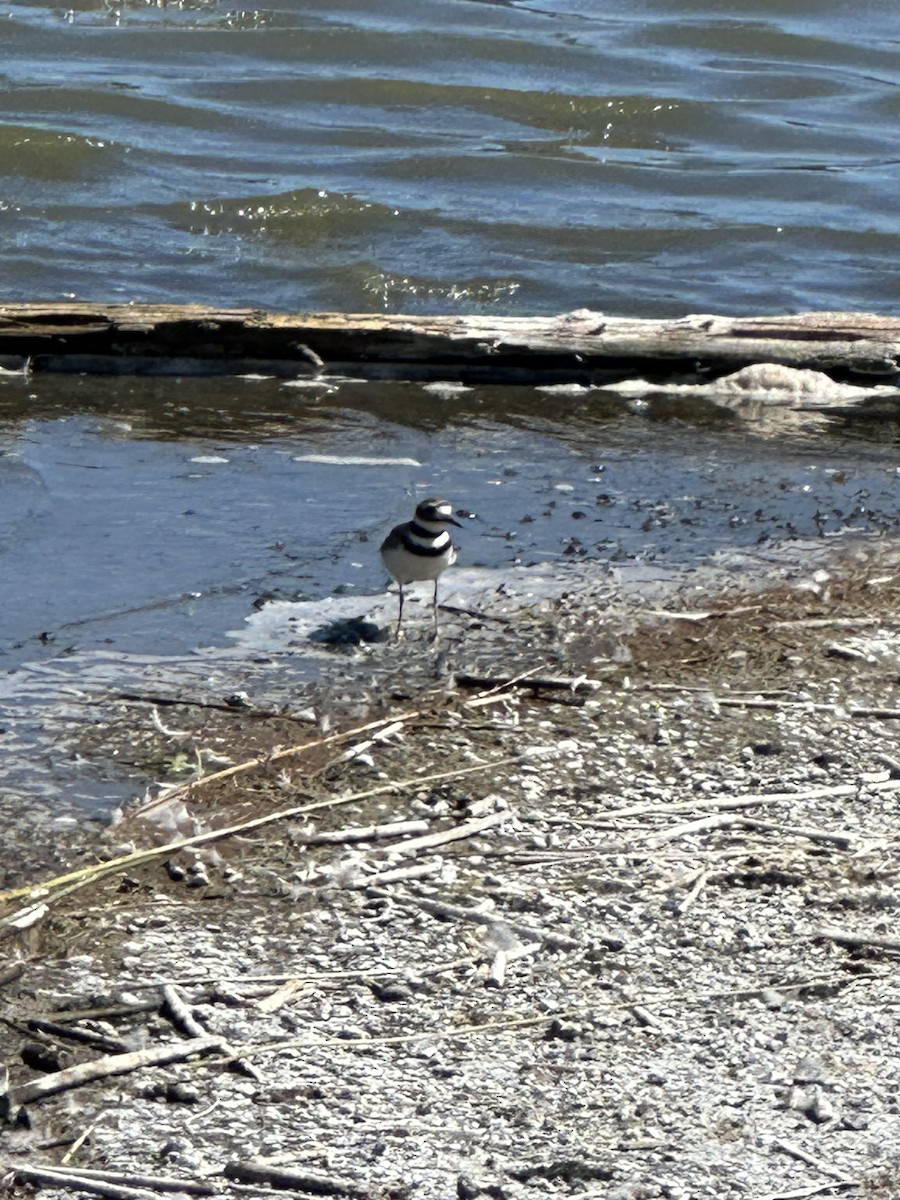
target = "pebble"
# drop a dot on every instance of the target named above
(809, 1070)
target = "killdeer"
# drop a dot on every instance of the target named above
(421, 549)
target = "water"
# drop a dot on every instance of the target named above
(458, 156)
(680, 155)
(148, 516)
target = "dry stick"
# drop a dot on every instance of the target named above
(810, 1159)
(293, 989)
(850, 710)
(759, 700)
(402, 1039)
(701, 825)
(115, 865)
(180, 1014)
(723, 821)
(82, 1183)
(11, 972)
(812, 832)
(815, 1189)
(497, 974)
(699, 884)
(185, 1020)
(824, 622)
(112, 1064)
(858, 941)
(754, 694)
(98, 1040)
(576, 683)
(263, 760)
(687, 614)
(459, 912)
(292, 1179)
(499, 687)
(363, 833)
(649, 1019)
(79, 1142)
(455, 834)
(380, 736)
(750, 801)
(397, 874)
(259, 985)
(157, 1183)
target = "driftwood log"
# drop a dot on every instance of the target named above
(581, 346)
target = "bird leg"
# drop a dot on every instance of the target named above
(434, 608)
(399, 611)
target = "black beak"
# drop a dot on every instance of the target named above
(450, 521)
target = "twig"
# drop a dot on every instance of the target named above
(292, 1179)
(263, 760)
(157, 1183)
(459, 912)
(475, 612)
(185, 1020)
(699, 615)
(497, 974)
(455, 834)
(11, 972)
(362, 833)
(494, 688)
(289, 990)
(725, 821)
(260, 982)
(180, 1014)
(702, 690)
(699, 884)
(114, 866)
(815, 1189)
(398, 874)
(98, 1040)
(804, 1156)
(859, 940)
(78, 1143)
(850, 710)
(464, 1031)
(813, 833)
(82, 1183)
(701, 825)
(255, 714)
(649, 1019)
(578, 683)
(766, 699)
(403, 1039)
(824, 622)
(112, 1064)
(380, 735)
(749, 801)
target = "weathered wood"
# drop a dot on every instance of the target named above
(580, 346)
(112, 1064)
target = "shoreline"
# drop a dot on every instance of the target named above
(641, 946)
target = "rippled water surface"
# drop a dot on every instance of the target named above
(657, 157)
(651, 158)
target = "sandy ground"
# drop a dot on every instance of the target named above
(644, 947)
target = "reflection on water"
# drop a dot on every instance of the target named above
(668, 156)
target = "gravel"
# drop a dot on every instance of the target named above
(633, 985)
